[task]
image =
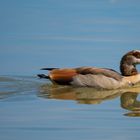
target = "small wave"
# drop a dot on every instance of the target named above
(13, 85)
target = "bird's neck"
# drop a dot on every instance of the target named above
(128, 70)
(127, 67)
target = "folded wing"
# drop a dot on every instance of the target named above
(68, 75)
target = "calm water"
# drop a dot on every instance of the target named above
(66, 33)
(39, 110)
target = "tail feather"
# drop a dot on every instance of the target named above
(48, 69)
(43, 76)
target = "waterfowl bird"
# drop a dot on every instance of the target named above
(101, 78)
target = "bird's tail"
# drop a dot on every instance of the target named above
(43, 76)
(48, 69)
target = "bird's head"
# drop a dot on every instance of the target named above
(133, 57)
(129, 61)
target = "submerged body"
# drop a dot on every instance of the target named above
(102, 78)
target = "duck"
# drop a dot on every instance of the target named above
(99, 78)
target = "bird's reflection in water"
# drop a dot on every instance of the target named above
(85, 95)
(129, 101)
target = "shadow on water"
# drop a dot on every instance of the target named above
(84, 95)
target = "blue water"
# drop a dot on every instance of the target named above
(34, 109)
(66, 33)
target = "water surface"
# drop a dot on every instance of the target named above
(36, 109)
(66, 33)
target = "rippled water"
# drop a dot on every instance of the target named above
(36, 109)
